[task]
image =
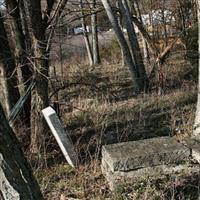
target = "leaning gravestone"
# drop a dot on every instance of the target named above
(62, 138)
(131, 161)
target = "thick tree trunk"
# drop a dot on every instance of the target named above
(85, 34)
(16, 177)
(124, 46)
(21, 53)
(8, 70)
(25, 20)
(95, 42)
(196, 131)
(39, 95)
(134, 45)
(39, 101)
(41, 26)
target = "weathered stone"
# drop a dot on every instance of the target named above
(119, 178)
(134, 155)
(61, 137)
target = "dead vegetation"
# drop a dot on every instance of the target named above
(97, 107)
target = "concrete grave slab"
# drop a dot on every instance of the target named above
(134, 155)
(119, 178)
(61, 137)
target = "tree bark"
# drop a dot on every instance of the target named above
(147, 37)
(39, 95)
(41, 30)
(20, 53)
(196, 131)
(134, 45)
(16, 177)
(124, 46)
(8, 70)
(95, 42)
(164, 27)
(145, 45)
(119, 18)
(85, 34)
(145, 51)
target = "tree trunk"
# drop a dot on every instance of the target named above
(41, 38)
(145, 45)
(39, 95)
(196, 131)
(39, 100)
(119, 18)
(95, 42)
(16, 177)
(145, 51)
(134, 45)
(8, 70)
(164, 27)
(124, 46)
(21, 53)
(147, 37)
(85, 34)
(25, 20)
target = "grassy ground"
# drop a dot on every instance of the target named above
(97, 107)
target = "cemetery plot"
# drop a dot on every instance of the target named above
(130, 161)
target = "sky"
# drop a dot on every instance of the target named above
(2, 4)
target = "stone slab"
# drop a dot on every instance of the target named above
(134, 155)
(61, 137)
(118, 178)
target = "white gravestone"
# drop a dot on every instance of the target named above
(62, 139)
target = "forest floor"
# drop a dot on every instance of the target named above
(97, 106)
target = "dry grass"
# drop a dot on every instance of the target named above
(97, 107)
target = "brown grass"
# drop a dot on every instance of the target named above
(97, 107)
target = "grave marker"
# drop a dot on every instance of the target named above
(62, 138)
(135, 160)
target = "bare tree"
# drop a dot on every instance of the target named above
(39, 96)
(133, 41)
(124, 46)
(16, 177)
(95, 43)
(21, 51)
(85, 34)
(41, 29)
(158, 54)
(13, 10)
(145, 45)
(8, 70)
(121, 26)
